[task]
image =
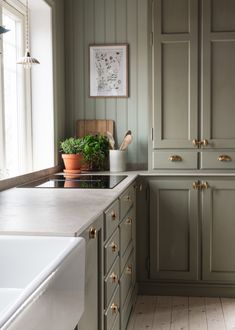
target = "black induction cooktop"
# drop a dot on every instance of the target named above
(82, 181)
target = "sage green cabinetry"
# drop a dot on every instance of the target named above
(194, 83)
(173, 229)
(91, 318)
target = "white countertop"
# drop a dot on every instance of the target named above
(66, 212)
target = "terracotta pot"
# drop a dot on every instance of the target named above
(72, 162)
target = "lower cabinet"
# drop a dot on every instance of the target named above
(188, 235)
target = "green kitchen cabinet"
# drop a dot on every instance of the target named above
(193, 84)
(173, 229)
(92, 317)
(218, 230)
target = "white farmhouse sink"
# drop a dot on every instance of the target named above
(42, 282)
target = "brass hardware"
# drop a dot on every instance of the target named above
(224, 158)
(128, 198)
(114, 277)
(140, 187)
(200, 143)
(114, 308)
(92, 233)
(200, 185)
(113, 215)
(114, 247)
(129, 270)
(175, 158)
(128, 221)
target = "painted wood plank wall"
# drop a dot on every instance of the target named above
(109, 21)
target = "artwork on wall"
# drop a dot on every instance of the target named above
(109, 70)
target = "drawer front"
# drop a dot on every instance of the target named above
(111, 282)
(112, 312)
(126, 201)
(218, 160)
(175, 160)
(117, 323)
(126, 310)
(127, 279)
(112, 218)
(126, 231)
(111, 250)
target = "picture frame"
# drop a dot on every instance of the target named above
(108, 66)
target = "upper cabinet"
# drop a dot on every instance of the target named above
(193, 79)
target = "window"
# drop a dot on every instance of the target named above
(26, 96)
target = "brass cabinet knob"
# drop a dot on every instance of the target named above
(204, 143)
(224, 158)
(113, 215)
(114, 308)
(195, 143)
(129, 270)
(175, 158)
(128, 199)
(114, 247)
(114, 277)
(200, 185)
(92, 233)
(200, 143)
(128, 221)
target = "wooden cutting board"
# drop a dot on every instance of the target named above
(93, 127)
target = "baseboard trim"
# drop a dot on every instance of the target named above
(176, 289)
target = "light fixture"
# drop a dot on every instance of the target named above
(27, 60)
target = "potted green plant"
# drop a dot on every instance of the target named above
(95, 150)
(72, 156)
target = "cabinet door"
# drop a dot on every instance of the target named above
(92, 318)
(175, 73)
(218, 73)
(218, 230)
(173, 229)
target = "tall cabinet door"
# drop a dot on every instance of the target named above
(175, 73)
(218, 73)
(173, 229)
(218, 230)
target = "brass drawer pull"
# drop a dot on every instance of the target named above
(114, 247)
(200, 185)
(175, 158)
(129, 221)
(92, 233)
(129, 270)
(114, 308)
(114, 278)
(113, 215)
(224, 158)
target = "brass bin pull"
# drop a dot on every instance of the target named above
(114, 308)
(200, 185)
(92, 233)
(129, 270)
(175, 158)
(113, 215)
(224, 158)
(128, 221)
(114, 247)
(114, 277)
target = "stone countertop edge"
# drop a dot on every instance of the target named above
(68, 212)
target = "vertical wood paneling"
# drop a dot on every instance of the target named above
(110, 37)
(121, 37)
(109, 21)
(100, 104)
(89, 38)
(132, 37)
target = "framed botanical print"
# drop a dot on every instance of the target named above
(108, 70)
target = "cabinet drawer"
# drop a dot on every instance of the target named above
(126, 201)
(218, 160)
(126, 309)
(126, 235)
(111, 282)
(126, 281)
(111, 216)
(111, 250)
(175, 160)
(112, 311)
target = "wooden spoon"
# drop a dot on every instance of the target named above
(111, 139)
(126, 141)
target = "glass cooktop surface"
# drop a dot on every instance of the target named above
(83, 181)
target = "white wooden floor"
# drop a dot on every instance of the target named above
(183, 313)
